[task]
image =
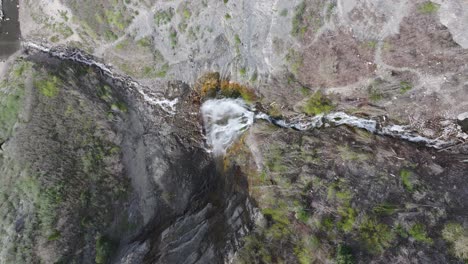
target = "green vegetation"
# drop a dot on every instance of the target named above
(145, 42)
(344, 255)
(48, 86)
(375, 94)
(227, 16)
(163, 17)
(284, 12)
(103, 250)
(187, 14)
(318, 103)
(428, 8)
(173, 37)
(295, 61)
(457, 237)
(299, 23)
(418, 232)
(116, 19)
(405, 176)
(372, 44)
(348, 154)
(10, 103)
(11, 98)
(237, 43)
(405, 87)
(385, 209)
(243, 71)
(375, 236)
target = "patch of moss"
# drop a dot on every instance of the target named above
(405, 176)
(428, 8)
(318, 103)
(48, 86)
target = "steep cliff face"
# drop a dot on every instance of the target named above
(304, 157)
(92, 172)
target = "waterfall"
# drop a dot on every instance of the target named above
(224, 121)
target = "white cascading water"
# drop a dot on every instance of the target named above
(224, 121)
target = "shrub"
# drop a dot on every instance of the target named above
(375, 236)
(318, 104)
(418, 232)
(210, 85)
(344, 255)
(457, 236)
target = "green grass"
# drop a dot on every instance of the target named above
(428, 8)
(318, 103)
(227, 16)
(48, 87)
(405, 176)
(419, 233)
(405, 87)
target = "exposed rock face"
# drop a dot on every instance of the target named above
(462, 120)
(105, 175)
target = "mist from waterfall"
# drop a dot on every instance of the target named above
(224, 121)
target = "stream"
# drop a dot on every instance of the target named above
(226, 119)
